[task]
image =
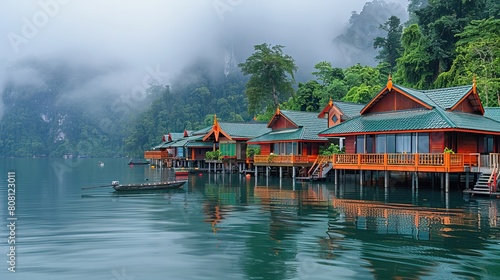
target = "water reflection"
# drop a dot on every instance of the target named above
(233, 227)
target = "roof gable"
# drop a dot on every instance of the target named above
(216, 131)
(293, 126)
(394, 98)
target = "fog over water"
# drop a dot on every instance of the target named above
(113, 46)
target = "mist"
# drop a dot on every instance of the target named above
(116, 48)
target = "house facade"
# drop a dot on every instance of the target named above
(401, 129)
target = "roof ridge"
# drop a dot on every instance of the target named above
(410, 92)
(443, 89)
(445, 117)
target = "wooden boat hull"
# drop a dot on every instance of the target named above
(150, 186)
(138, 163)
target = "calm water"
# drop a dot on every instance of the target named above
(230, 227)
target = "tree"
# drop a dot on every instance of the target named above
(414, 65)
(364, 82)
(272, 75)
(307, 97)
(390, 46)
(442, 20)
(478, 53)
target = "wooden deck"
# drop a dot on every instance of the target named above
(428, 162)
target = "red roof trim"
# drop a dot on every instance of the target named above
(469, 94)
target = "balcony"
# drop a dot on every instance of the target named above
(156, 154)
(425, 162)
(444, 162)
(284, 160)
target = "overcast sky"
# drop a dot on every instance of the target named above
(166, 35)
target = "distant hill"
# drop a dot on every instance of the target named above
(356, 41)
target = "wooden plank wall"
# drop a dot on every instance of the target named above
(350, 148)
(282, 123)
(265, 149)
(465, 106)
(394, 101)
(436, 142)
(467, 143)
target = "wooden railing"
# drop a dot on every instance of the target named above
(425, 162)
(285, 159)
(156, 154)
(406, 162)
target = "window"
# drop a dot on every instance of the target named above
(423, 143)
(403, 143)
(380, 143)
(335, 119)
(360, 144)
(488, 144)
(391, 143)
(369, 143)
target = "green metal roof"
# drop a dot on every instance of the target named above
(446, 98)
(244, 130)
(309, 125)
(391, 121)
(422, 119)
(350, 110)
(492, 113)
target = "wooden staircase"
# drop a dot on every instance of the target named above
(482, 185)
(487, 183)
(320, 168)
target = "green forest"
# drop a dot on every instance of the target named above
(444, 43)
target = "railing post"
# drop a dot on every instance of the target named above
(417, 161)
(447, 162)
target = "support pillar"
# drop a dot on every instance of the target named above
(360, 178)
(467, 179)
(386, 179)
(281, 172)
(441, 175)
(256, 174)
(208, 167)
(336, 177)
(447, 187)
(267, 170)
(416, 180)
(293, 172)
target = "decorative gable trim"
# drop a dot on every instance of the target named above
(277, 116)
(216, 131)
(473, 97)
(380, 96)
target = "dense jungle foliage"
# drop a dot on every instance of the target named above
(444, 43)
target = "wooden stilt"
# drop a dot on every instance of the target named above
(336, 177)
(447, 187)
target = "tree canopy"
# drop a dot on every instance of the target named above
(272, 77)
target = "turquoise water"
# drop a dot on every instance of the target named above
(231, 227)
